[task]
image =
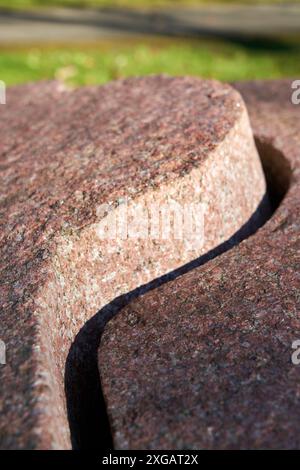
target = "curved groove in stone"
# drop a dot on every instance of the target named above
(207, 361)
(87, 413)
(53, 266)
(277, 171)
(72, 154)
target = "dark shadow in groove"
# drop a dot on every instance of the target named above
(277, 171)
(87, 414)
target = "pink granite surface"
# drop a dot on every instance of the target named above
(62, 155)
(204, 361)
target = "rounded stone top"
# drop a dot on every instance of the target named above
(63, 153)
(67, 151)
(128, 133)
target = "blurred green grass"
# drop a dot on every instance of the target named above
(19, 4)
(101, 62)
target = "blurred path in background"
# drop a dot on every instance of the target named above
(231, 21)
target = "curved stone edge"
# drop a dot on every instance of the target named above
(204, 361)
(60, 280)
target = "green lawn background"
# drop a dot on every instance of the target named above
(128, 3)
(101, 62)
(108, 60)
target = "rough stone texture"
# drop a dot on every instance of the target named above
(62, 155)
(204, 361)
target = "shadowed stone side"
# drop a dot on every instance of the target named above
(63, 154)
(207, 361)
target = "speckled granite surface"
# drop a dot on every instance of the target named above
(63, 154)
(206, 363)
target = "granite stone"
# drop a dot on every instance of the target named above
(68, 160)
(206, 363)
